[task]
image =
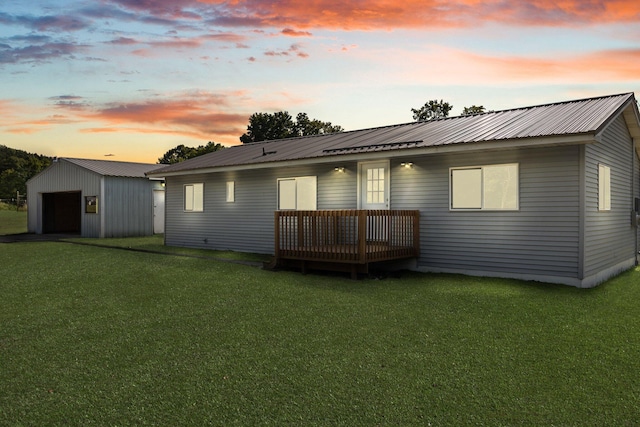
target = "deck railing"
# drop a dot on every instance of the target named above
(348, 236)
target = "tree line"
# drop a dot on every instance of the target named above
(17, 166)
(280, 125)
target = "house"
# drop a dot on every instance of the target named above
(547, 193)
(96, 198)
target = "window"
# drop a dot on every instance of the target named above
(492, 187)
(91, 204)
(231, 191)
(297, 193)
(194, 197)
(375, 185)
(604, 188)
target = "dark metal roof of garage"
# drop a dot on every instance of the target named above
(586, 117)
(111, 168)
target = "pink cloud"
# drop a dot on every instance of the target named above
(123, 41)
(390, 14)
(225, 37)
(618, 64)
(198, 114)
(293, 50)
(293, 33)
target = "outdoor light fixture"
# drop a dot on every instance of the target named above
(339, 169)
(407, 165)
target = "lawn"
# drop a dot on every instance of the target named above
(101, 336)
(11, 221)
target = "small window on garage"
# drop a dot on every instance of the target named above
(91, 204)
(194, 197)
(299, 193)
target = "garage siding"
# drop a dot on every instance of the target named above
(128, 207)
(63, 176)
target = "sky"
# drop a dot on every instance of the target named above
(128, 80)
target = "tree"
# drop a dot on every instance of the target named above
(270, 126)
(432, 110)
(16, 168)
(266, 126)
(181, 152)
(474, 109)
(305, 126)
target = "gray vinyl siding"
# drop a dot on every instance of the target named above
(128, 207)
(636, 181)
(246, 224)
(63, 176)
(609, 235)
(540, 239)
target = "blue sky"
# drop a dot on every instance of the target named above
(134, 78)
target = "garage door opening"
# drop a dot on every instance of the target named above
(61, 212)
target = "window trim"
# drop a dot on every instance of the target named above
(296, 179)
(231, 192)
(194, 207)
(482, 188)
(604, 180)
(91, 204)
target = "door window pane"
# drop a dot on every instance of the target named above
(375, 185)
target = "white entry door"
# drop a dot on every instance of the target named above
(374, 185)
(158, 211)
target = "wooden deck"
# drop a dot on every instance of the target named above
(335, 239)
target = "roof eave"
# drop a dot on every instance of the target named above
(532, 142)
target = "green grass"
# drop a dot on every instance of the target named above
(11, 221)
(156, 244)
(99, 336)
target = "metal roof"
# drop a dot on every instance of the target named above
(111, 168)
(585, 117)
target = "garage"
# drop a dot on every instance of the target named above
(95, 198)
(61, 212)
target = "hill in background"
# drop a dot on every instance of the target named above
(16, 168)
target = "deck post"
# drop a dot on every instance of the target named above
(276, 228)
(416, 233)
(301, 221)
(362, 236)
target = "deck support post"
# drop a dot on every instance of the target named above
(362, 237)
(276, 228)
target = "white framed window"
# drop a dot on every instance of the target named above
(491, 187)
(194, 197)
(604, 188)
(375, 185)
(231, 191)
(298, 193)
